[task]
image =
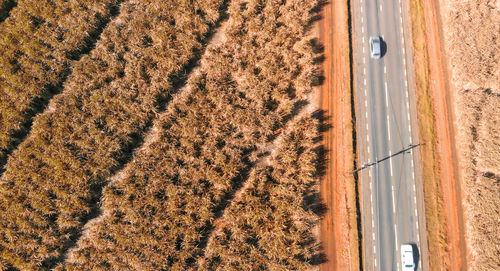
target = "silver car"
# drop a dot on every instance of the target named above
(375, 48)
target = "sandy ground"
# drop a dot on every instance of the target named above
(443, 98)
(338, 230)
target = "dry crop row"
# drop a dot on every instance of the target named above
(269, 228)
(53, 180)
(160, 214)
(39, 41)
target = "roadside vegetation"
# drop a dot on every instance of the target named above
(53, 180)
(182, 159)
(472, 35)
(435, 217)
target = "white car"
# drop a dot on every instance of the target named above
(375, 47)
(407, 262)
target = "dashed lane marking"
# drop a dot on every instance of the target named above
(396, 236)
(390, 161)
(388, 128)
(386, 96)
(393, 203)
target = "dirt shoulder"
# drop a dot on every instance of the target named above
(442, 191)
(338, 231)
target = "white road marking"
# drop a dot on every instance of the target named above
(363, 49)
(370, 175)
(363, 39)
(366, 114)
(362, 30)
(406, 83)
(361, 9)
(367, 138)
(366, 105)
(396, 236)
(401, 19)
(388, 128)
(390, 161)
(386, 96)
(404, 61)
(413, 175)
(364, 82)
(385, 69)
(364, 60)
(405, 72)
(375, 262)
(381, 8)
(361, 19)
(393, 202)
(364, 69)
(368, 150)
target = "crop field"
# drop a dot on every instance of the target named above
(167, 135)
(472, 35)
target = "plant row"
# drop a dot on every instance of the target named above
(53, 180)
(270, 226)
(39, 42)
(160, 214)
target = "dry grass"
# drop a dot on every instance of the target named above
(53, 180)
(158, 213)
(472, 33)
(479, 131)
(430, 168)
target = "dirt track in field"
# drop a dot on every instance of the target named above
(442, 97)
(338, 230)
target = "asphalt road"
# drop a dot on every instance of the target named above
(387, 136)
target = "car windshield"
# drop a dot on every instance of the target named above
(409, 265)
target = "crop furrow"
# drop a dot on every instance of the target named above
(5, 7)
(53, 180)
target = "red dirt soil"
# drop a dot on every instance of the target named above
(338, 231)
(442, 97)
